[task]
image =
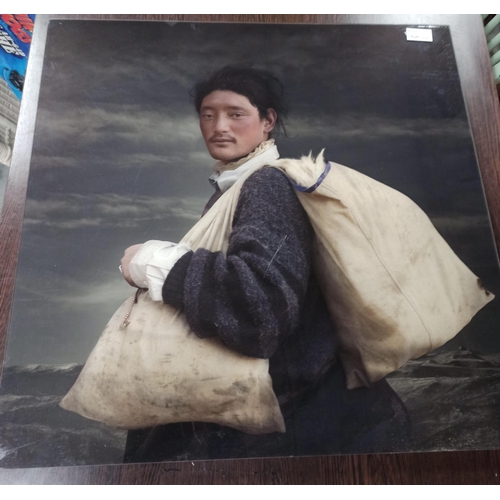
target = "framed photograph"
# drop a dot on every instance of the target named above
(126, 151)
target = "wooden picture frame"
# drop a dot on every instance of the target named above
(484, 118)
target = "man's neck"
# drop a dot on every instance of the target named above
(234, 164)
(224, 180)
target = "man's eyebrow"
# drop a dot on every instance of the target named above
(232, 108)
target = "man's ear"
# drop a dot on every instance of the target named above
(270, 120)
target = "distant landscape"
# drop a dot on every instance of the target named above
(453, 398)
(36, 432)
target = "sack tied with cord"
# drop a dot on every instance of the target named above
(393, 286)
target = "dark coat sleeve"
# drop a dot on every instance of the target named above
(252, 297)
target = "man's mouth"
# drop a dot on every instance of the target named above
(221, 141)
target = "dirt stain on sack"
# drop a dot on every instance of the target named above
(481, 286)
(236, 390)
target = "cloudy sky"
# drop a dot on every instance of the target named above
(118, 158)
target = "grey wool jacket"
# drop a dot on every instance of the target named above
(262, 300)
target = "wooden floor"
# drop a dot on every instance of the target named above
(480, 467)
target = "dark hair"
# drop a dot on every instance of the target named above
(263, 89)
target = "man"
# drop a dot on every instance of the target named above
(261, 298)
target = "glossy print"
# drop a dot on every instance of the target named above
(119, 158)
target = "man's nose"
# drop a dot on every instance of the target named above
(221, 124)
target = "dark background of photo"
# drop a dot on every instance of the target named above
(118, 158)
(435, 216)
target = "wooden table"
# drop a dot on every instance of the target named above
(477, 467)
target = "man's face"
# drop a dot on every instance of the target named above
(231, 125)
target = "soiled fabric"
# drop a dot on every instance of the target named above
(262, 300)
(149, 368)
(394, 287)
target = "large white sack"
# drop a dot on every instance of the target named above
(394, 287)
(157, 371)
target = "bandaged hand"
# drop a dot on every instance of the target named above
(125, 263)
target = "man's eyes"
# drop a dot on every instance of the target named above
(208, 116)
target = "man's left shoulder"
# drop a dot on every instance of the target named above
(268, 178)
(269, 187)
(268, 197)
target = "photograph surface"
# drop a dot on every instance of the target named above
(141, 128)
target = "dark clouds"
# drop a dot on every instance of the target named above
(118, 157)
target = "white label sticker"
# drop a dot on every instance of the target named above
(418, 35)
